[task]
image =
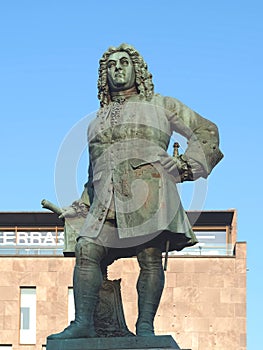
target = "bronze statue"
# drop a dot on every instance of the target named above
(133, 207)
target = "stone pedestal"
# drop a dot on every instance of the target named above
(113, 343)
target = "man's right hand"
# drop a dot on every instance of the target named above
(68, 212)
(77, 209)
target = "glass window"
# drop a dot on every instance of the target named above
(24, 317)
(210, 242)
(30, 241)
(27, 316)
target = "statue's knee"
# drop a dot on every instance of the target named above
(87, 252)
(150, 258)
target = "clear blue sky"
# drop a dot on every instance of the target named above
(208, 54)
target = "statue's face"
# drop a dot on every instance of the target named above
(121, 74)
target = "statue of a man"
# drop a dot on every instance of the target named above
(134, 206)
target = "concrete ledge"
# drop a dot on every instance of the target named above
(155, 342)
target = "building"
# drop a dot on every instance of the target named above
(203, 305)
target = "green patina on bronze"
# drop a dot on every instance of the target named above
(131, 193)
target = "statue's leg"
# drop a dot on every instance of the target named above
(149, 286)
(87, 281)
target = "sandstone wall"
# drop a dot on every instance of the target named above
(203, 305)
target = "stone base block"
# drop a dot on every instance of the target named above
(130, 343)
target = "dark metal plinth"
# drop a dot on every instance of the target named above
(156, 342)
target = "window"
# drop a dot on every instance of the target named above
(71, 306)
(27, 316)
(31, 240)
(211, 241)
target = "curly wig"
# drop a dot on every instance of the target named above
(143, 78)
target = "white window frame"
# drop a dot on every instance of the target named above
(27, 321)
(71, 305)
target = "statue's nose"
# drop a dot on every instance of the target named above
(118, 65)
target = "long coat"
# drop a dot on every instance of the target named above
(127, 144)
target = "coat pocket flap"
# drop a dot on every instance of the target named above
(135, 163)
